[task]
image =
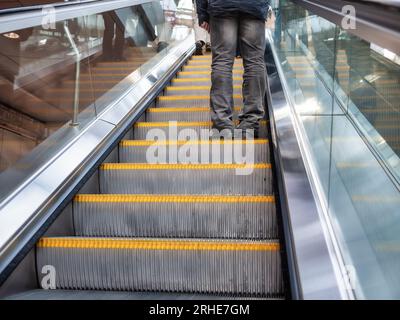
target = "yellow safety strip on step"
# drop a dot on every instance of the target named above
(139, 198)
(207, 66)
(183, 109)
(147, 143)
(131, 244)
(193, 73)
(191, 98)
(188, 88)
(201, 166)
(208, 57)
(180, 124)
(167, 124)
(190, 80)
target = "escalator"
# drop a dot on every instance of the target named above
(173, 227)
(119, 190)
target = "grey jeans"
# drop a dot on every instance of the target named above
(226, 34)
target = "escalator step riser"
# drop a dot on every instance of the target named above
(194, 132)
(181, 219)
(226, 152)
(199, 82)
(186, 181)
(204, 74)
(187, 115)
(191, 101)
(239, 272)
(192, 92)
(203, 67)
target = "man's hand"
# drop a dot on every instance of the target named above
(206, 26)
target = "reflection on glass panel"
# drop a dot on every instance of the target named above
(345, 92)
(64, 76)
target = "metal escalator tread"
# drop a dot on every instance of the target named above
(190, 266)
(176, 216)
(192, 100)
(230, 179)
(204, 229)
(197, 130)
(138, 151)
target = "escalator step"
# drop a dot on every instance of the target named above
(229, 179)
(190, 266)
(201, 81)
(196, 90)
(206, 67)
(192, 101)
(194, 130)
(204, 73)
(225, 151)
(176, 216)
(199, 114)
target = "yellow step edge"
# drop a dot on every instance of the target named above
(147, 143)
(208, 57)
(138, 198)
(131, 244)
(188, 88)
(179, 124)
(212, 166)
(184, 80)
(183, 109)
(167, 124)
(193, 73)
(191, 98)
(207, 66)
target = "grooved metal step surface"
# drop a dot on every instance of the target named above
(176, 216)
(229, 179)
(181, 130)
(200, 151)
(190, 266)
(199, 114)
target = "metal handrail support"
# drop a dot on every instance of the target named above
(78, 55)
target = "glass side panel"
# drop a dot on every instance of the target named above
(63, 74)
(345, 97)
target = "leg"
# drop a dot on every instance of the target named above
(252, 45)
(224, 38)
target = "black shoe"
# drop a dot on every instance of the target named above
(208, 47)
(199, 48)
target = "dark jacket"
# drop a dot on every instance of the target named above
(220, 8)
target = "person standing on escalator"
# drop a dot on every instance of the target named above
(232, 23)
(202, 37)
